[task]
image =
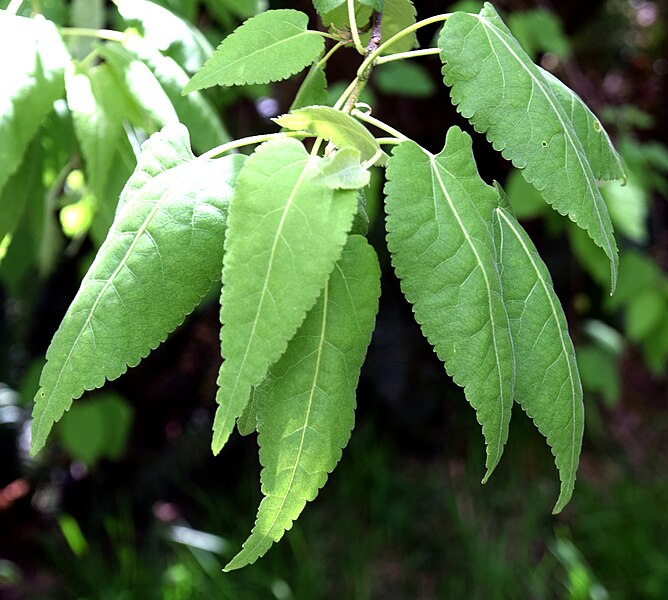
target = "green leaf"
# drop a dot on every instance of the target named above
(547, 382)
(306, 406)
(397, 16)
(141, 86)
(194, 110)
(313, 89)
(162, 254)
(97, 119)
(333, 125)
(344, 171)
(325, 6)
(272, 46)
(497, 87)
(404, 78)
(285, 226)
(439, 224)
(167, 32)
(247, 422)
(377, 5)
(34, 61)
(539, 30)
(604, 160)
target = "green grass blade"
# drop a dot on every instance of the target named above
(286, 230)
(439, 224)
(499, 89)
(162, 254)
(272, 46)
(306, 406)
(547, 382)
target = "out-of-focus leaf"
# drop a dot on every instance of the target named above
(599, 372)
(403, 78)
(644, 313)
(539, 30)
(629, 207)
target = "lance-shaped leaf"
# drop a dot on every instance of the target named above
(604, 160)
(547, 383)
(162, 254)
(33, 67)
(306, 406)
(333, 125)
(286, 231)
(269, 47)
(439, 224)
(194, 110)
(497, 87)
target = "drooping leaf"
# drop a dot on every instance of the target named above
(142, 88)
(162, 254)
(306, 406)
(94, 104)
(193, 110)
(272, 46)
(547, 383)
(333, 125)
(604, 160)
(313, 89)
(439, 224)
(167, 32)
(285, 226)
(33, 67)
(497, 87)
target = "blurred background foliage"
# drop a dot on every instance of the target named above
(127, 501)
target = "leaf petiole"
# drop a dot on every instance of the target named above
(353, 28)
(404, 55)
(102, 34)
(334, 49)
(367, 118)
(249, 141)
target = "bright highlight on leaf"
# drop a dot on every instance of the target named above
(161, 256)
(547, 383)
(333, 125)
(306, 406)
(272, 46)
(499, 89)
(286, 230)
(439, 232)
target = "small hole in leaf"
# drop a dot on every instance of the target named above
(597, 126)
(543, 144)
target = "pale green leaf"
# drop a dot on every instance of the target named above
(604, 160)
(272, 46)
(141, 86)
(547, 382)
(286, 231)
(162, 254)
(167, 32)
(313, 89)
(497, 87)
(344, 171)
(193, 110)
(33, 66)
(333, 125)
(306, 406)
(439, 224)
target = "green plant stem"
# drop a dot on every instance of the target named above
(13, 7)
(353, 28)
(371, 58)
(373, 160)
(249, 141)
(329, 36)
(379, 124)
(102, 34)
(335, 48)
(347, 92)
(404, 55)
(389, 141)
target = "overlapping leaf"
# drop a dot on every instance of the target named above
(33, 67)
(498, 88)
(547, 383)
(439, 224)
(161, 256)
(306, 406)
(313, 89)
(193, 110)
(269, 47)
(286, 231)
(333, 125)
